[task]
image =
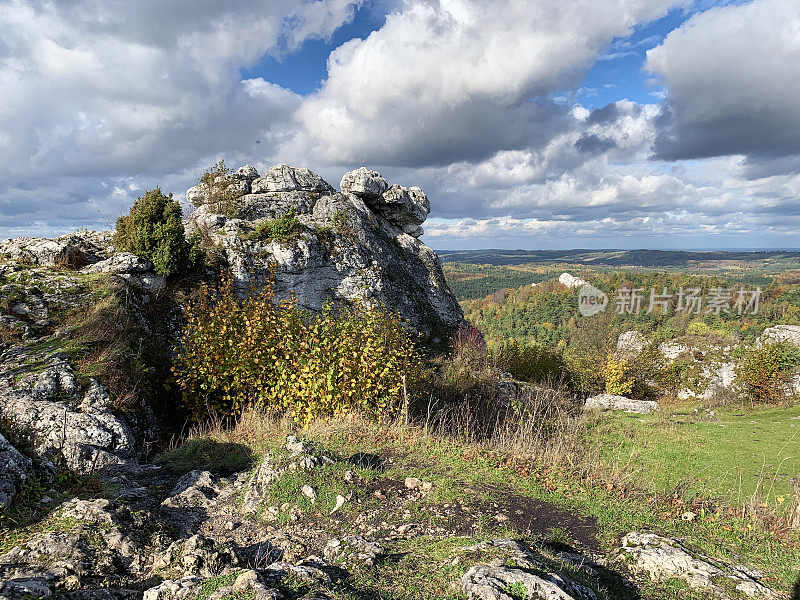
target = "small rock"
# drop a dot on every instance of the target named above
(340, 500)
(413, 483)
(309, 492)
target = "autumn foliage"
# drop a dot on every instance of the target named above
(258, 352)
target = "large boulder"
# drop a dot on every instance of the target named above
(621, 403)
(407, 208)
(358, 245)
(364, 183)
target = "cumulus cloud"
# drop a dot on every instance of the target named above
(733, 82)
(450, 80)
(97, 91)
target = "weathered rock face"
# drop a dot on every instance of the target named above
(357, 245)
(14, 467)
(283, 178)
(63, 422)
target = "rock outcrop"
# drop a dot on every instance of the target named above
(14, 468)
(662, 558)
(360, 244)
(72, 250)
(780, 333)
(66, 423)
(570, 281)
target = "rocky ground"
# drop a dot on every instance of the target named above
(305, 524)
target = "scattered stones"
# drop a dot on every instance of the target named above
(354, 548)
(613, 402)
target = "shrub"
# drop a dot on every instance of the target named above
(153, 230)
(616, 374)
(241, 352)
(766, 371)
(529, 362)
(283, 229)
(223, 198)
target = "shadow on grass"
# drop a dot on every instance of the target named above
(796, 591)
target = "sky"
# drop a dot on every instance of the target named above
(530, 124)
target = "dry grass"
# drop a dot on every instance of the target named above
(108, 330)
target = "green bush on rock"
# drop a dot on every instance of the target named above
(153, 230)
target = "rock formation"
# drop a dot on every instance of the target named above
(360, 243)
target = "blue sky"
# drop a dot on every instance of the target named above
(529, 124)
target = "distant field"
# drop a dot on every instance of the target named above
(474, 274)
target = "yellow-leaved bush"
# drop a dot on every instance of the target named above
(258, 352)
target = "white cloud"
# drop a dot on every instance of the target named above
(102, 89)
(733, 82)
(450, 80)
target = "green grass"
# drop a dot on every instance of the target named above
(745, 453)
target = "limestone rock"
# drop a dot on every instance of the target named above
(406, 208)
(65, 423)
(72, 250)
(283, 178)
(345, 248)
(237, 183)
(613, 402)
(521, 569)
(571, 281)
(496, 583)
(780, 333)
(663, 558)
(364, 183)
(631, 343)
(122, 262)
(14, 467)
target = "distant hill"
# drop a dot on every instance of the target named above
(616, 258)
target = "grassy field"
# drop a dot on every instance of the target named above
(737, 455)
